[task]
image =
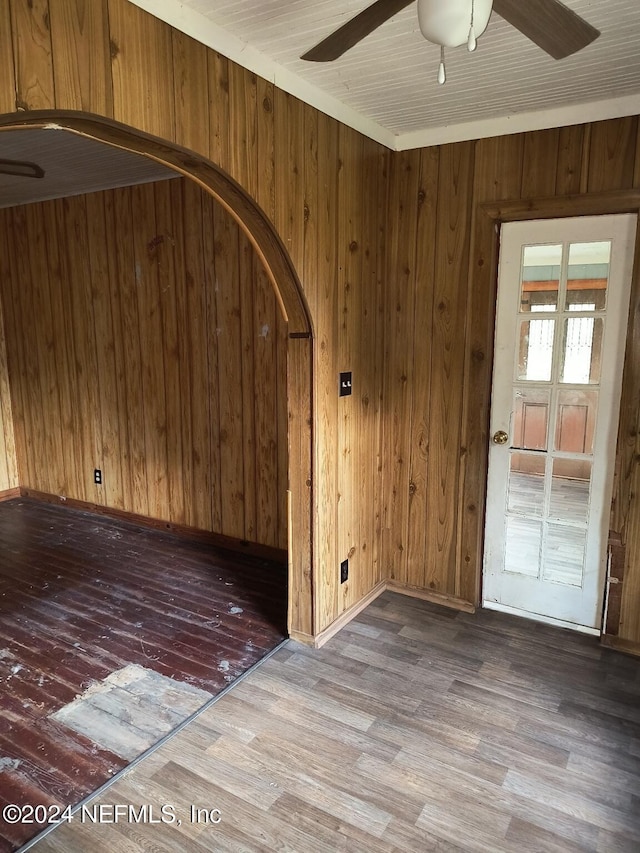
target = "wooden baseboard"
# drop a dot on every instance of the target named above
(301, 637)
(331, 630)
(217, 540)
(434, 597)
(9, 494)
(630, 647)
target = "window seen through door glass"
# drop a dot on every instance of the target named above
(541, 267)
(588, 276)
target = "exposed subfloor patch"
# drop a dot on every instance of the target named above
(131, 709)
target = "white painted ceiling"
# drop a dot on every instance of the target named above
(73, 165)
(386, 85)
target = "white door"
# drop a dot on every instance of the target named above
(563, 299)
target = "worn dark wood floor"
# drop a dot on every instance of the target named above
(82, 596)
(415, 729)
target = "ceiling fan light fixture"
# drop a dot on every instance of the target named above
(455, 22)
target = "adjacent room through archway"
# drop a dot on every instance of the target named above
(146, 438)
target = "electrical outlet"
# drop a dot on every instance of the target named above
(97, 476)
(344, 571)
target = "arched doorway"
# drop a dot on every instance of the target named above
(282, 275)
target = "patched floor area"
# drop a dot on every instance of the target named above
(131, 709)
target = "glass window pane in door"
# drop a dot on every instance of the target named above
(570, 488)
(526, 484)
(540, 277)
(530, 418)
(523, 540)
(535, 351)
(564, 554)
(582, 350)
(576, 420)
(588, 275)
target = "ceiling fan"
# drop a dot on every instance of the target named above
(550, 24)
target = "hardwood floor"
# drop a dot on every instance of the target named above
(414, 729)
(100, 608)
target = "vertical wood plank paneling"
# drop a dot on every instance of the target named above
(353, 350)
(12, 346)
(381, 238)
(169, 213)
(269, 490)
(540, 163)
(32, 55)
(116, 422)
(8, 459)
(228, 307)
(27, 355)
(301, 617)
(148, 247)
(265, 142)
(190, 92)
(370, 334)
(7, 69)
(248, 391)
(497, 175)
(46, 409)
(205, 386)
(193, 372)
(63, 353)
(447, 363)
(400, 313)
(570, 151)
(219, 116)
(81, 60)
(612, 154)
(625, 517)
(423, 341)
(282, 426)
(321, 202)
(128, 313)
(80, 284)
(15, 356)
(289, 178)
(124, 306)
(142, 70)
(242, 107)
(110, 460)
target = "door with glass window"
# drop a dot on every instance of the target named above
(563, 299)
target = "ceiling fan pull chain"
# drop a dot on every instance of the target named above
(442, 74)
(471, 41)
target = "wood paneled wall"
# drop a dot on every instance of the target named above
(440, 318)
(8, 459)
(385, 246)
(145, 339)
(321, 184)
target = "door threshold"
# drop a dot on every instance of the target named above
(538, 617)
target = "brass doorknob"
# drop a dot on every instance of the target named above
(500, 437)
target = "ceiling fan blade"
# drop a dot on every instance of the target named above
(549, 24)
(21, 169)
(355, 30)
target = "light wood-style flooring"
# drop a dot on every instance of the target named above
(415, 729)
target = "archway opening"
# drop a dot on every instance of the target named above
(256, 246)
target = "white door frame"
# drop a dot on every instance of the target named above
(540, 215)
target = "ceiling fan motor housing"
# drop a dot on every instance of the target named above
(448, 23)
